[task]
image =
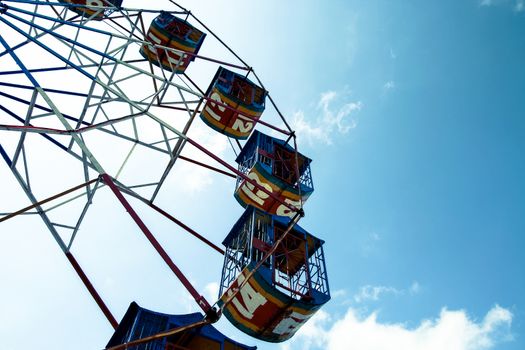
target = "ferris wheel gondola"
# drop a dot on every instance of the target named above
(173, 43)
(92, 9)
(234, 104)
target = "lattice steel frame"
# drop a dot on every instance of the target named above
(103, 72)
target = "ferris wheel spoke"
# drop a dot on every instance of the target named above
(82, 116)
(51, 228)
(104, 55)
(123, 30)
(45, 135)
(191, 113)
(56, 12)
(92, 290)
(136, 141)
(36, 205)
(46, 48)
(164, 213)
(209, 167)
(176, 152)
(72, 45)
(46, 131)
(26, 168)
(36, 36)
(20, 145)
(90, 194)
(63, 68)
(178, 147)
(131, 103)
(201, 301)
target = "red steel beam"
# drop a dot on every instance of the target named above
(201, 301)
(186, 227)
(207, 166)
(42, 202)
(92, 290)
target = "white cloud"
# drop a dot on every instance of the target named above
(393, 55)
(518, 5)
(211, 291)
(375, 236)
(369, 293)
(389, 85)
(335, 118)
(370, 244)
(338, 293)
(451, 330)
(373, 293)
(415, 288)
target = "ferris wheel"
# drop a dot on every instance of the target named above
(111, 94)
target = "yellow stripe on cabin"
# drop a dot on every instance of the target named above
(221, 127)
(246, 323)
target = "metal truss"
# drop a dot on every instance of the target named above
(80, 90)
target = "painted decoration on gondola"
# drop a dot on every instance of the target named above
(139, 323)
(264, 312)
(282, 272)
(286, 196)
(234, 104)
(95, 9)
(171, 43)
(273, 165)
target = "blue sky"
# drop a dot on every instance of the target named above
(413, 114)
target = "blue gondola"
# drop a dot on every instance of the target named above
(286, 290)
(273, 165)
(244, 98)
(172, 43)
(94, 9)
(139, 323)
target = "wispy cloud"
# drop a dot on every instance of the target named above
(370, 244)
(335, 117)
(211, 290)
(393, 55)
(517, 5)
(338, 293)
(374, 293)
(389, 85)
(451, 330)
(415, 288)
(369, 292)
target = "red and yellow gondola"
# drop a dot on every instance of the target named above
(234, 104)
(275, 166)
(171, 43)
(269, 294)
(94, 9)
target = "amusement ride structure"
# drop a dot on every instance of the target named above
(77, 74)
